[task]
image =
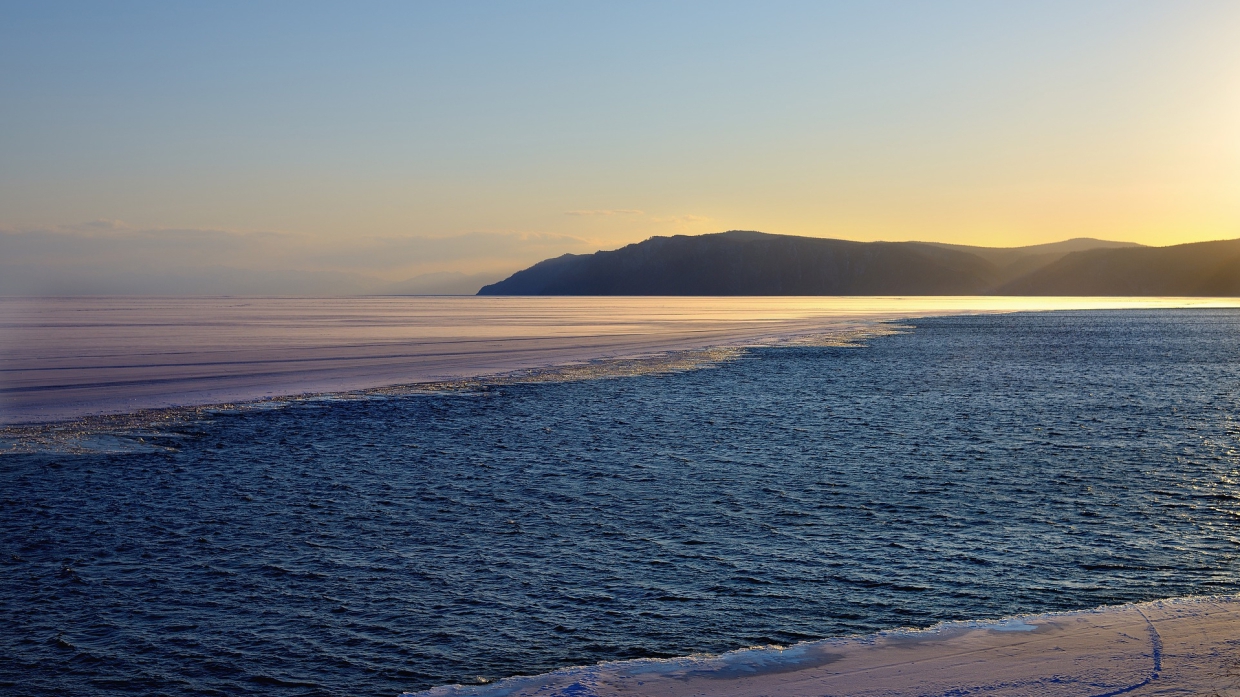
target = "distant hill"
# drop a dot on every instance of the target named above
(1015, 262)
(439, 283)
(756, 263)
(1197, 269)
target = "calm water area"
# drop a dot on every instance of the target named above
(63, 358)
(969, 467)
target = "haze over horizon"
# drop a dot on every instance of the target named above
(315, 149)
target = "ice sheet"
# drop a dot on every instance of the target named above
(62, 358)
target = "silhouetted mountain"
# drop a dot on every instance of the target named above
(1196, 269)
(756, 263)
(1018, 261)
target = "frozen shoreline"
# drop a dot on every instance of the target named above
(66, 358)
(1175, 646)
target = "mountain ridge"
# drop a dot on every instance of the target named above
(747, 262)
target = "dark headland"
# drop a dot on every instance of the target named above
(756, 263)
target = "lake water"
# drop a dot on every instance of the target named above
(970, 467)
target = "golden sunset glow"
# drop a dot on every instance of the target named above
(195, 140)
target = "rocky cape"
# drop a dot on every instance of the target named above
(756, 263)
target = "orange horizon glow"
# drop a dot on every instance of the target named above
(338, 147)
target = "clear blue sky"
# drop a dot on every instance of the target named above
(392, 139)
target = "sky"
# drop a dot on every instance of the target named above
(307, 147)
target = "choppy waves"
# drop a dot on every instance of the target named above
(373, 544)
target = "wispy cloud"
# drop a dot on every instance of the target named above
(642, 217)
(682, 220)
(607, 212)
(102, 225)
(379, 253)
(110, 256)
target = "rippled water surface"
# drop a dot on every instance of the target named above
(973, 467)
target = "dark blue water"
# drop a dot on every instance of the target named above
(976, 467)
